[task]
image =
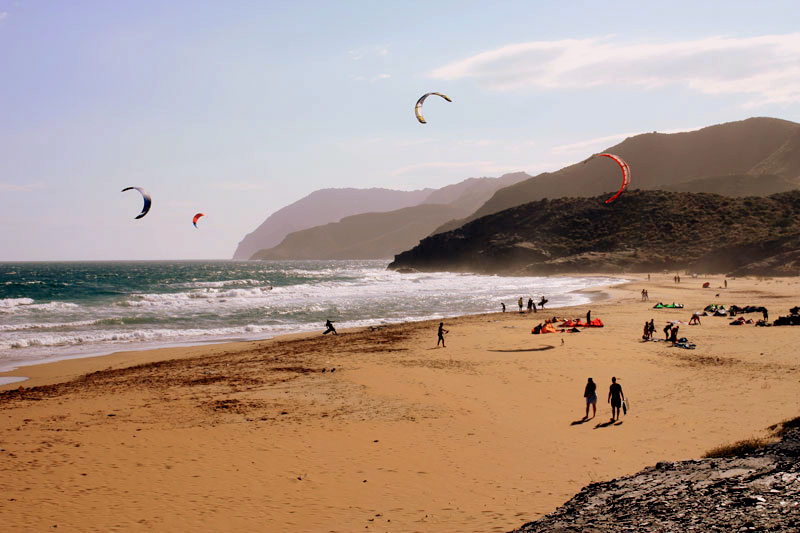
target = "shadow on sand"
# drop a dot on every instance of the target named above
(543, 348)
(579, 422)
(609, 423)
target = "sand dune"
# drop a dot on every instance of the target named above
(402, 436)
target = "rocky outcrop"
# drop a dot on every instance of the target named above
(757, 491)
(643, 231)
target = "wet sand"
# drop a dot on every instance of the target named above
(483, 435)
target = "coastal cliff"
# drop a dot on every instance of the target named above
(642, 231)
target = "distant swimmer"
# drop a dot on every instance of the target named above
(331, 329)
(441, 333)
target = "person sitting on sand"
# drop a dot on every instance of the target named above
(615, 398)
(590, 393)
(441, 333)
(331, 329)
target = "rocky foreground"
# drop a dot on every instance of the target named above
(757, 491)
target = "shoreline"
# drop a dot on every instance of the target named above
(598, 293)
(382, 429)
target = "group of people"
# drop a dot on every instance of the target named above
(645, 296)
(531, 304)
(676, 278)
(615, 397)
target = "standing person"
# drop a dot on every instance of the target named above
(673, 335)
(648, 277)
(646, 296)
(588, 317)
(765, 313)
(646, 331)
(667, 330)
(504, 306)
(726, 283)
(441, 333)
(331, 329)
(520, 304)
(542, 302)
(590, 393)
(652, 327)
(530, 304)
(615, 398)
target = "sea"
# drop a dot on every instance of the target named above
(58, 310)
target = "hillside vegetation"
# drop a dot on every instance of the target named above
(757, 156)
(642, 231)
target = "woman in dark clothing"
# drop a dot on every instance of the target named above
(590, 393)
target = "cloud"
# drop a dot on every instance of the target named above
(10, 187)
(238, 186)
(767, 68)
(373, 79)
(599, 143)
(357, 54)
(3, 15)
(474, 165)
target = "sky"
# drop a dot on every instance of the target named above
(236, 109)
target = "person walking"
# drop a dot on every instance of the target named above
(504, 306)
(441, 333)
(615, 398)
(590, 394)
(331, 329)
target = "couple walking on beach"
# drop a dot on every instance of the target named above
(615, 398)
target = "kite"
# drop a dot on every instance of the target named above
(418, 107)
(626, 173)
(147, 200)
(196, 218)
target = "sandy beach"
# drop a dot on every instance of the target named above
(380, 430)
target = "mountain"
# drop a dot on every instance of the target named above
(322, 207)
(364, 236)
(722, 159)
(378, 235)
(642, 231)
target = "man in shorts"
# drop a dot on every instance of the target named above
(615, 398)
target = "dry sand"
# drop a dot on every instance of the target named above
(403, 436)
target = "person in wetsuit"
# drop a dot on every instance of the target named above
(331, 329)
